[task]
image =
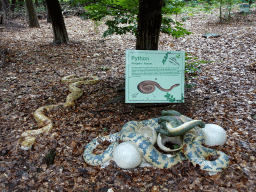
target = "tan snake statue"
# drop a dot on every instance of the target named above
(150, 86)
(29, 136)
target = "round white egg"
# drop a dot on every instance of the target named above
(214, 135)
(127, 156)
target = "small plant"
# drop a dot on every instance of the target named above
(175, 146)
(50, 157)
(184, 18)
(192, 68)
(104, 68)
(190, 86)
(124, 16)
(96, 25)
(193, 3)
(191, 14)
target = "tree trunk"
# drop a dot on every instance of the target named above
(250, 3)
(220, 11)
(149, 23)
(13, 5)
(1, 15)
(58, 25)
(36, 2)
(48, 17)
(6, 4)
(32, 18)
(5, 7)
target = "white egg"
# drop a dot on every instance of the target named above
(214, 135)
(127, 156)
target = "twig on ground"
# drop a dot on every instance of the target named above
(55, 71)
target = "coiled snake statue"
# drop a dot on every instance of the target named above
(28, 137)
(171, 124)
(148, 86)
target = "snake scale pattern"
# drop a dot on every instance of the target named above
(148, 86)
(192, 149)
(28, 137)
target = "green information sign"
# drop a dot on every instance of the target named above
(154, 76)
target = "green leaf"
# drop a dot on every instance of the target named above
(126, 12)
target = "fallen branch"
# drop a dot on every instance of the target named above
(253, 64)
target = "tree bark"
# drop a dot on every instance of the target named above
(36, 2)
(32, 18)
(250, 3)
(48, 17)
(5, 6)
(13, 5)
(1, 15)
(58, 25)
(149, 23)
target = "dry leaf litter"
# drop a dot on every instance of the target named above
(223, 93)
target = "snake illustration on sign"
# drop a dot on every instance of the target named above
(148, 86)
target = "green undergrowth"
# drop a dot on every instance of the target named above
(193, 66)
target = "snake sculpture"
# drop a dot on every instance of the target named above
(28, 137)
(172, 124)
(148, 86)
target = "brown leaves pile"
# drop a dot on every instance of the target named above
(224, 94)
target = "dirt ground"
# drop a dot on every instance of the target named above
(223, 93)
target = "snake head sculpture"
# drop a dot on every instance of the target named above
(175, 124)
(176, 127)
(173, 127)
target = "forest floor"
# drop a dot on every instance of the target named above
(223, 93)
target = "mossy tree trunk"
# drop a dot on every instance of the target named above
(58, 25)
(149, 23)
(32, 17)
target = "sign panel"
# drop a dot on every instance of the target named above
(154, 76)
